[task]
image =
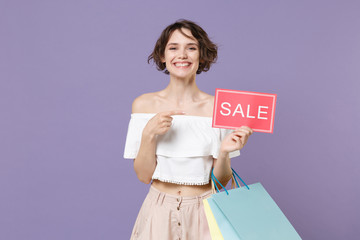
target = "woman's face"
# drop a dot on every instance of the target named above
(182, 54)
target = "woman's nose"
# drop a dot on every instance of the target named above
(183, 53)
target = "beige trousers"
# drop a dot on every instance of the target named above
(165, 216)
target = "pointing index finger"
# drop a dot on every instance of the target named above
(176, 112)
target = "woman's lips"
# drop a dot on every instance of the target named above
(182, 64)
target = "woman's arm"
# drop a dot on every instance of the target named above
(222, 168)
(145, 161)
(233, 141)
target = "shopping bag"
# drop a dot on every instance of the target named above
(214, 228)
(251, 212)
(228, 231)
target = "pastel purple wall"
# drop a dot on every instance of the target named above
(69, 71)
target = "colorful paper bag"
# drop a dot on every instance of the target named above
(214, 228)
(251, 212)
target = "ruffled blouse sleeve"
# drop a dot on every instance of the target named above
(133, 136)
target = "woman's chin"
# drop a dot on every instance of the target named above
(182, 75)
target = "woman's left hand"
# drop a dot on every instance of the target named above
(236, 140)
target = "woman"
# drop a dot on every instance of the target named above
(172, 142)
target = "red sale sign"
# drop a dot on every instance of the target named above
(233, 109)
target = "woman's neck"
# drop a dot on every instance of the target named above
(181, 90)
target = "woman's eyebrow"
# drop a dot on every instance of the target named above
(178, 44)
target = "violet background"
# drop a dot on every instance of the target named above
(70, 70)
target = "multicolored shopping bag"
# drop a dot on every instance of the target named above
(247, 213)
(227, 229)
(214, 228)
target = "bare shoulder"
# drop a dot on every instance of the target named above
(143, 103)
(205, 106)
(211, 99)
(210, 103)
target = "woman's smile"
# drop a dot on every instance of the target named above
(182, 64)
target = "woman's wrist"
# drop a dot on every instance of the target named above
(223, 154)
(149, 136)
(222, 150)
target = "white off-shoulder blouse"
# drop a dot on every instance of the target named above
(185, 152)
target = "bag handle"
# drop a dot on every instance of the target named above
(239, 178)
(234, 184)
(233, 176)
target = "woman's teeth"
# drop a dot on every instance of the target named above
(181, 64)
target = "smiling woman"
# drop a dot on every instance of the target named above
(196, 38)
(181, 56)
(171, 139)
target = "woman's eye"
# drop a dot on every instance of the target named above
(173, 48)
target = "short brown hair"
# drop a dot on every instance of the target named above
(207, 49)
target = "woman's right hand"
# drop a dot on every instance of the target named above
(160, 123)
